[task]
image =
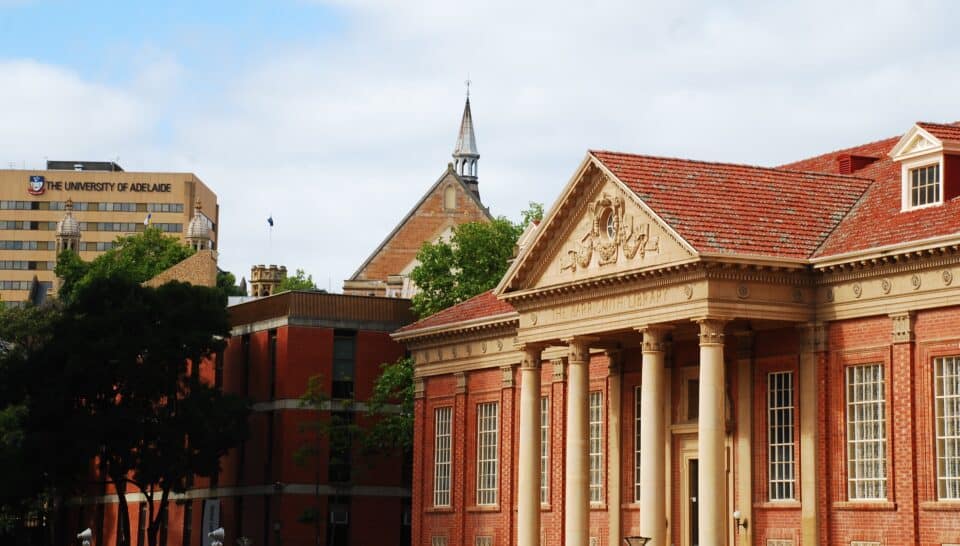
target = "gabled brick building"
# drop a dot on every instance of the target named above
(452, 200)
(704, 354)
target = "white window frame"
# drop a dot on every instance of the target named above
(781, 436)
(636, 442)
(596, 446)
(910, 165)
(487, 453)
(866, 415)
(442, 455)
(544, 450)
(946, 396)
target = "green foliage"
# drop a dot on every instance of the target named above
(473, 261)
(114, 376)
(532, 214)
(227, 283)
(392, 405)
(299, 281)
(137, 258)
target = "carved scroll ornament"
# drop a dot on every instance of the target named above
(610, 231)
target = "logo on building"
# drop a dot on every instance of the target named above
(38, 185)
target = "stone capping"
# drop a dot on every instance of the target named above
(461, 378)
(813, 337)
(559, 370)
(507, 376)
(418, 387)
(903, 327)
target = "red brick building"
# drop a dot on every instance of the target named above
(262, 493)
(705, 353)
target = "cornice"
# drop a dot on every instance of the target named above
(905, 262)
(482, 324)
(885, 254)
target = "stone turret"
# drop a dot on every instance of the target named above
(265, 281)
(198, 230)
(68, 230)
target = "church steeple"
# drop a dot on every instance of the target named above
(465, 155)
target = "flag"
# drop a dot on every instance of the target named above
(270, 220)
(146, 221)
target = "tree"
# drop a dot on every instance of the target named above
(138, 258)
(300, 281)
(129, 364)
(473, 261)
(227, 283)
(392, 405)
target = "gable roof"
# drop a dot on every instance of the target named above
(413, 210)
(725, 208)
(484, 305)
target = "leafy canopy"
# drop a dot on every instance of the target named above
(473, 261)
(299, 281)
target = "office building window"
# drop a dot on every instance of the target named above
(344, 354)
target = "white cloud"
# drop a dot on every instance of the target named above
(338, 139)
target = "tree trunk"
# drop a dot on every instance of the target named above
(156, 522)
(123, 514)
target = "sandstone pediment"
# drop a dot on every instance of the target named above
(599, 228)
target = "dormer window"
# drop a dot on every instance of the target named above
(924, 185)
(929, 158)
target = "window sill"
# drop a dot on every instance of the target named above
(598, 506)
(491, 508)
(439, 510)
(878, 506)
(778, 505)
(951, 505)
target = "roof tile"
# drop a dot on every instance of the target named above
(479, 306)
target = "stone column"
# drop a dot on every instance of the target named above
(614, 446)
(653, 512)
(528, 467)
(744, 436)
(711, 429)
(814, 342)
(576, 525)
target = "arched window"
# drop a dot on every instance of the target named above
(450, 198)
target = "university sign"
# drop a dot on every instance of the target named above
(38, 185)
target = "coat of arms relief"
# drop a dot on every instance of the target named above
(610, 232)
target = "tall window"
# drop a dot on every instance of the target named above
(925, 185)
(636, 444)
(866, 433)
(596, 446)
(780, 442)
(344, 349)
(487, 453)
(441, 456)
(946, 372)
(544, 448)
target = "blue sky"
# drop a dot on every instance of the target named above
(335, 116)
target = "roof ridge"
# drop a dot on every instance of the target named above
(778, 169)
(841, 151)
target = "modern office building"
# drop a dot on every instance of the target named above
(708, 354)
(106, 202)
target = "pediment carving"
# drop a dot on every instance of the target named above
(611, 233)
(608, 232)
(918, 144)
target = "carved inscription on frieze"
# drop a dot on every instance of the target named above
(610, 233)
(606, 306)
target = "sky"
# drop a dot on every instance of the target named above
(334, 117)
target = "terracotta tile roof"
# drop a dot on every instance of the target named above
(876, 220)
(479, 306)
(739, 209)
(945, 132)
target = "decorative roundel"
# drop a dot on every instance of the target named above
(743, 291)
(947, 277)
(857, 290)
(687, 291)
(829, 294)
(915, 281)
(797, 295)
(499, 345)
(533, 319)
(483, 346)
(885, 286)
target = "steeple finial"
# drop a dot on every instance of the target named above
(468, 82)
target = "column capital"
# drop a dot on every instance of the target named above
(507, 376)
(711, 329)
(531, 355)
(654, 337)
(903, 326)
(814, 337)
(579, 348)
(461, 379)
(559, 370)
(615, 358)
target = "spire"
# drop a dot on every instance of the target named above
(465, 154)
